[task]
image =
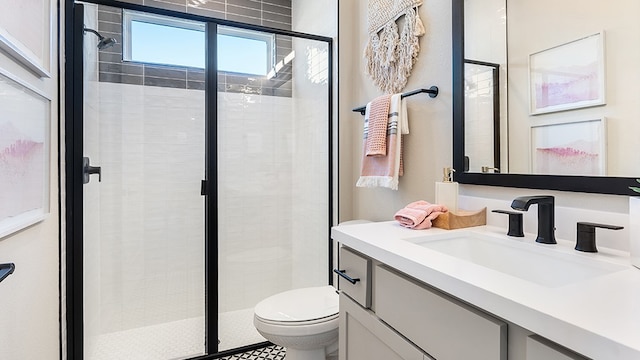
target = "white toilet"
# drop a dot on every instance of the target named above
(304, 321)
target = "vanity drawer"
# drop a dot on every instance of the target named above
(539, 348)
(355, 275)
(443, 327)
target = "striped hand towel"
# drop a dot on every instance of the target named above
(383, 171)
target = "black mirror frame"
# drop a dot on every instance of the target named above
(587, 184)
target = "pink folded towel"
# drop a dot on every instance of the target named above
(376, 126)
(419, 214)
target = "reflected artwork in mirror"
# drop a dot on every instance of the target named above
(499, 46)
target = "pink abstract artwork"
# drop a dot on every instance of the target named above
(24, 155)
(21, 172)
(569, 148)
(568, 76)
(569, 160)
(568, 86)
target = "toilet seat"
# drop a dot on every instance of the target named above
(298, 323)
(299, 306)
(298, 312)
(300, 328)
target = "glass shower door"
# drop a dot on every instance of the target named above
(145, 222)
(143, 209)
(273, 173)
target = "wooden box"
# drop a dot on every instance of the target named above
(461, 219)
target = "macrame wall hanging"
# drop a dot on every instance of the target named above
(390, 54)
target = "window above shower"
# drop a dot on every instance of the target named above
(271, 76)
(154, 39)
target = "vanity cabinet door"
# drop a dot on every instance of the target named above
(539, 348)
(364, 337)
(357, 267)
(440, 325)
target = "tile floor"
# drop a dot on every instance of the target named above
(273, 352)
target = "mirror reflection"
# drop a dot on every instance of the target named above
(550, 87)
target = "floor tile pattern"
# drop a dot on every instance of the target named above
(273, 352)
(181, 339)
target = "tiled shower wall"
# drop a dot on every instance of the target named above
(271, 13)
(256, 176)
(152, 231)
(151, 211)
(311, 163)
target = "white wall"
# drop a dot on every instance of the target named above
(429, 146)
(29, 298)
(349, 79)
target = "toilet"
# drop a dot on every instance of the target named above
(303, 321)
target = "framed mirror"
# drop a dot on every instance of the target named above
(539, 106)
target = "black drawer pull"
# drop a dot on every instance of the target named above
(345, 276)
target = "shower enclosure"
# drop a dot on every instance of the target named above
(482, 109)
(196, 185)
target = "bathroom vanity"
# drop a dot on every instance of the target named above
(479, 294)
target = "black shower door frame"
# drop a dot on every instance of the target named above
(72, 261)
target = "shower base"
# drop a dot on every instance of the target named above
(175, 340)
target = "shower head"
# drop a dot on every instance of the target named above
(106, 43)
(103, 43)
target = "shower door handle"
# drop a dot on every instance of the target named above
(88, 170)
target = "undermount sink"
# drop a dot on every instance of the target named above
(537, 263)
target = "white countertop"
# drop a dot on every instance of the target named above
(598, 317)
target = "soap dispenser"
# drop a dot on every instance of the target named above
(447, 190)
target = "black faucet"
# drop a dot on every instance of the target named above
(546, 215)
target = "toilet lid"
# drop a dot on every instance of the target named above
(299, 305)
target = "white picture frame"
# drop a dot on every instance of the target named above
(576, 147)
(26, 29)
(25, 138)
(568, 76)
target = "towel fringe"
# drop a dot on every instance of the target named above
(378, 181)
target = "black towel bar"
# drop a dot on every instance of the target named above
(6, 270)
(432, 91)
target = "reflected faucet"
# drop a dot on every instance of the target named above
(546, 215)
